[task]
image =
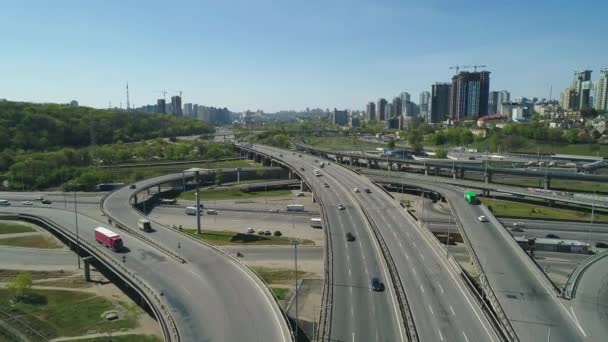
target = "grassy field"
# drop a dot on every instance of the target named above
(124, 338)
(227, 238)
(13, 227)
(537, 211)
(232, 193)
(280, 293)
(278, 275)
(556, 184)
(65, 313)
(32, 241)
(577, 149)
(7, 275)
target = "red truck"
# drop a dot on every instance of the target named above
(108, 238)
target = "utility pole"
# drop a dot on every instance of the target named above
(128, 102)
(77, 237)
(295, 253)
(198, 205)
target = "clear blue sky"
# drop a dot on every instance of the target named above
(288, 54)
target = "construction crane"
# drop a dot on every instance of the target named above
(478, 66)
(164, 92)
(178, 91)
(458, 67)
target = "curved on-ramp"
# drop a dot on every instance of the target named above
(218, 298)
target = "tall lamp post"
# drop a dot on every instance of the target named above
(76, 222)
(295, 254)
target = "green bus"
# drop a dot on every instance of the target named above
(471, 197)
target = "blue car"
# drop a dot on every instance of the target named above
(377, 285)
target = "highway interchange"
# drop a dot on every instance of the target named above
(443, 307)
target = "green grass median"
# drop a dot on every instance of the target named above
(514, 209)
(14, 227)
(278, 275)
(227, 238)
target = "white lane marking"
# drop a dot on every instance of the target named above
(421, 256)
(465, 336)
(353, 337)
(577, 322)
(421, 288)
(407, 256)
(414, 271)
(441, 288)
(349, 272)
(440, 335)
(430, 308)
(452, 309)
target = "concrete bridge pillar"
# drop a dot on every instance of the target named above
(454, 175)
(158, 189)
(461, 173)
(426, 170)
(547, 182)
(488, 177)
(87, 268)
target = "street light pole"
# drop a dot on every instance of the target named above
(77, 237)
(198, 205)
(295, 253)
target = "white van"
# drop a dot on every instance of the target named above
(190, 210)
(144, 224)
(5, 203)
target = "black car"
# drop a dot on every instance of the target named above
(46, 201)
(552, 236)
(367, 191)
(601, 245)
(302, 169)
(377, 285)
(132, 186)
(350, 237)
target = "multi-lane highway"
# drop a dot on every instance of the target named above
(441, 305)
(530, 304)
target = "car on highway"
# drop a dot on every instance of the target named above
(300, 194)
(482, 218)
(250, 230)
(601, 245)
(261, 232)
(132, 186)
(5, 203)
(267, 232)
(377, 285)
(356, 190)
(350, 236)
(518, 227)
(367, 191)
(27, 203)
(46, 201)
(302, 169)
(46, 205)
(326, 185)
(341, 206)
(299, 155)
(211, 212)
(552, 236)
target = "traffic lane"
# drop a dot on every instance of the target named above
(364, 317)
(368, 317)
(237, 215)
(435, 314)
(217, 274)
(590, 304)
(530, 306)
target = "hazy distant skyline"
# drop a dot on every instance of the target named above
(282, 55)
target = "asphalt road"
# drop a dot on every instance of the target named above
(226, 295)
(532, 307)
(441, 305)
(590, 305)
(358, 314)
(17, 258)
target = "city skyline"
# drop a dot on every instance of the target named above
(232, 54)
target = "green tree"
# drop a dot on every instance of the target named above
(391, 144)
(219, 177)
(20, 285)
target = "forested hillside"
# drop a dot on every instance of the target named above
(43, 127)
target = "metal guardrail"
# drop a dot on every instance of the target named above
(574, 278)
(503, 320)
(404, 306)
(22, 323)
(162, 313)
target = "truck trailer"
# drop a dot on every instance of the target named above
(108, 238)
(295, 207)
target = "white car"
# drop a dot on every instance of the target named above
(250, 230)
(341, 207)
(211, 212)
(482, 218)
(27, 203)
(356, 190)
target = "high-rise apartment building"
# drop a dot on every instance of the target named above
(425, 104)
(405, 98)
(370, 113)
(188, 110)
(340, 117)
(396, 109)
(470, 92)
(160, 106)
(176, 105)
(496, 99)
(440, 102)
(582, 88)
(601, 91)
(381, 109)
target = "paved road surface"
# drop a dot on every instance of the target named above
(226, 296)
(441, 305)
(17, 258)
(532, 307)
